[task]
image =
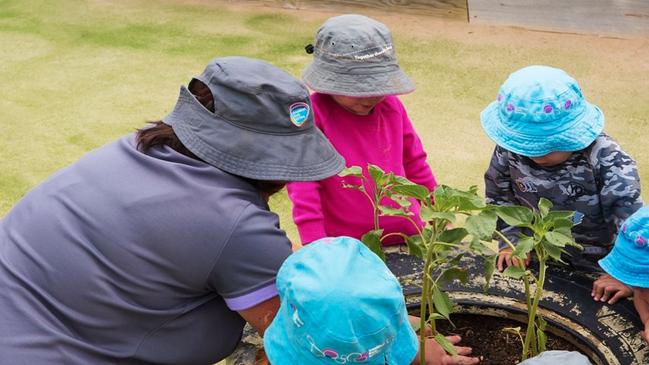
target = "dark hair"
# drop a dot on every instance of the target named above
(161, 134)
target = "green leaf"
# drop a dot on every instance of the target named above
(426, 213)
(544, 206)
(395, 212)
(402, 180)
(551, 250)
(466, 200)
(448, 198)
(372, 240)
(355, 171)
(560, 214)
(482, 225)
(443, 304)
(439, 215)
(376, 173)
(559, 239)
(454, 273)
(488, 248)
(523, 247)
(435, 317)
(418, 192)
(454, 235)
(515, 215)
(455, 261)
(446, 344)
(562, 224)
(514, 272)
(415, 246)
(489, 269)
(401, 200)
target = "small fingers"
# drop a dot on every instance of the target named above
(508, 260)
(598, 290)
(501, 258)
(463, 350)
(619, 295)
(462, 360)
(454, 339)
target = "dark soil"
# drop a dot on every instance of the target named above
(486, 336)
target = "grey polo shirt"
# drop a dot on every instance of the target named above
(133, 258)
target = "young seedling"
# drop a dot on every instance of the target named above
(546, 233)
(440, 240)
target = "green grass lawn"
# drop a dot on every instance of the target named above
(77, 74)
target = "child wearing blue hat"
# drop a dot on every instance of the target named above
(340, 304)
(550, 143)
(628, 262)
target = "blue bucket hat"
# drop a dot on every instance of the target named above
(339, 305)
(628, 262)
(541, 109)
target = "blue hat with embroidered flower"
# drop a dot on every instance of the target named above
(541, 109)
(628, 262)
(340, 304)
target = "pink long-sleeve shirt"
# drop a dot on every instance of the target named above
(385, 138)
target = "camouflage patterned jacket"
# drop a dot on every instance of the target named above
(600, 182)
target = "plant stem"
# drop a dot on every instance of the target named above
(505, 239)
(532, 312)
(425, 296)
(423, 309)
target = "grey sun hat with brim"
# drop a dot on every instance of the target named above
(262, 126)
(354, 56)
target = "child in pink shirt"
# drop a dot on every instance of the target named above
(355, 76)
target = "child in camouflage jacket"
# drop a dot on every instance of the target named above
(550, 144)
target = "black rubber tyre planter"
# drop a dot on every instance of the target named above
(608, 334)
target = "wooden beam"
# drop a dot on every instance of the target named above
(605, 17)
(455, 9)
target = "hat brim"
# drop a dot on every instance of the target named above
(579, 136)
(623, 268)
(280, 350)
(303, 156)
(322, 80)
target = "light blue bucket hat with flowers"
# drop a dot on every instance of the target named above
(628, 262)
(541, 109)
(340, 304)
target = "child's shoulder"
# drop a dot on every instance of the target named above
(603, 145)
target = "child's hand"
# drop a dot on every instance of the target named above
(606, 286)
(505, 257)
(435, 354)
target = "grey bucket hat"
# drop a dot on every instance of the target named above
(354, 56)
(262, 126)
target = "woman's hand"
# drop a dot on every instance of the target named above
(505, 257)
(435, 354)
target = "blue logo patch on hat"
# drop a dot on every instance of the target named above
(299, 113)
